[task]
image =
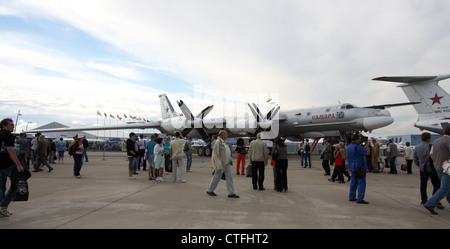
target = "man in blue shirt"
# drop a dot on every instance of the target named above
(151, 157)
(356, 159)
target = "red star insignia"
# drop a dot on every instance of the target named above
(436, 99)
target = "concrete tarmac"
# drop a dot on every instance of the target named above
(104, 197)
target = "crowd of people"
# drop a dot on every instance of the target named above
(159, 155)
(429, 158)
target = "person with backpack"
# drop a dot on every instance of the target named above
(307, 153)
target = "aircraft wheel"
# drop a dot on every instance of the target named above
(207, 151)
(200, 151)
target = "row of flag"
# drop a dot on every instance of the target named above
(124, 115)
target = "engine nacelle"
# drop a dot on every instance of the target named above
(173, 125)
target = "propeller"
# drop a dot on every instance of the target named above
(265, 123)
(195, 122)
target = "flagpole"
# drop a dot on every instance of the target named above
(97, 125)
(104, 124)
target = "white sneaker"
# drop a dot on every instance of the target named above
(183, 181)
(131, 178)
(161, 179)
(5, 213)
(158, 179)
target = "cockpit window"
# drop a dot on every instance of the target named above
(346, 106)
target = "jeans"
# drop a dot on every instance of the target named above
(189, 160)
(307, 157)
(392, 166)
(6, 197)
(216, 179)
(444, 190)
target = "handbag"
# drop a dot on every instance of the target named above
(360, 172)
(403, 167)
(21, 188)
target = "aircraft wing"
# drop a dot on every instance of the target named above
(405, 79)
(151, 125)
(391, 105)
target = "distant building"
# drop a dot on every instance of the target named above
(66, 135)
(414, 139)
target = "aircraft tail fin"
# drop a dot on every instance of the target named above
(167, 110)
(424, 89)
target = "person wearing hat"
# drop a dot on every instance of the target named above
(78, 150)
(356, 160)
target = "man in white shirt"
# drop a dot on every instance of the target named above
(176, 151)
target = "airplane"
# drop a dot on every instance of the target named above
(328, 121)
(433, 104)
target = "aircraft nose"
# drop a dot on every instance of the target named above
(371, 123)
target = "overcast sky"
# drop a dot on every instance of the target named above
(65, 60)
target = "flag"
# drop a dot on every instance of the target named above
(125, 115)
(119, 117)
(98, 113)
(111, 116)
(106, 116)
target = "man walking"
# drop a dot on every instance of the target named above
(427, 171)
(42, 150)
(440, 153)
(221, 162)
(10, 165)
(258, 153)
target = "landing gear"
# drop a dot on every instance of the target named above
(204, 151)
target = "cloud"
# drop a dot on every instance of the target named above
(71, 92)
(309, 54)
(117, 71)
